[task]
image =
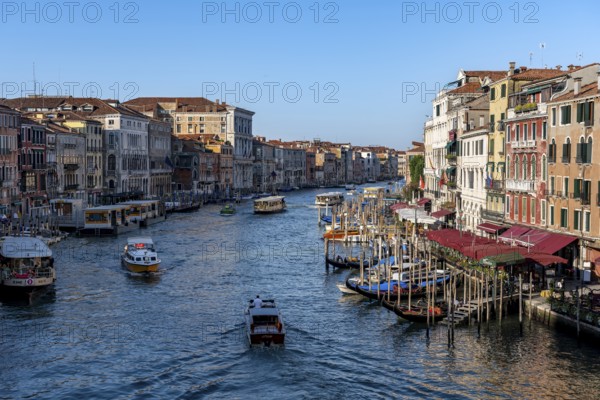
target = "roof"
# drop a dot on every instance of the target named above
(99, 107)
(184, 104)
(24, 247)
(270, 198)
(585, 91)
(145, 240)
(493, 75)
(467, 88)
(441, 213)
(489, 227)
(503, 259)
(535, 74)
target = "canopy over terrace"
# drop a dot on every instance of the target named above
(503, 260)
(538, 240)
(409, 214)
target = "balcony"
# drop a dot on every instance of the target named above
(520, 185)
(523, 144)
(40, 166)
(7, 183)
(451, 185)
(71, 187)
(497, 186)
(71, 167)
(492, 215)
(451, 158)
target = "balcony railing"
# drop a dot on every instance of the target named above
(522, 144)
(496, 185)
(520, 185)
(492, 215)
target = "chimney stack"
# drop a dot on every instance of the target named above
(511, 68)
(558, 67)
(577, 86)
(523, 69)
(571, 67)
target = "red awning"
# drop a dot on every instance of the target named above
(553, 243)
(423, 201)
(441, 213)
(514, 233)
(489, 228)
(544, 259)
(398, 206)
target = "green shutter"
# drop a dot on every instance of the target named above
(576, 188)
(580, 112)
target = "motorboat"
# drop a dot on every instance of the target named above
(264, 324)
(228, 210)
(329, 199)
(27, 264)
(140, 255)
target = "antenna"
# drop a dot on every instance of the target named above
(579, 56)
(542, 46)
(530, 58)
(34, 81)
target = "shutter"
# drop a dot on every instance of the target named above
(580, 112)
(576, 188)
(588, 153)
(565, 151)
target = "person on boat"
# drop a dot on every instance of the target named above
(257, 302)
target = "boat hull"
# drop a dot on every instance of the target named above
(141, 268)
(266, 339)
(415, 313)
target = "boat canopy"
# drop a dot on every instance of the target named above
(24, 247)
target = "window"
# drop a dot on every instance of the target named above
(553, 116)
(491, 151)
(565, 115)
(532, 211)
(563, 218)
(525, 132)
(552, 151)
(533, 167)
(516, 216)
(576, 219)
(566, 186)
(437, 110)
(551, 215)
(576, 188)
(552, 185)
(586, 191)
(493, 94)
(544, 168)
(533, 131)
(517, 133)
(588, 151)
(508, 165)
(111, 122)
(524, 209)
(178, 128)
(544, 130)
(517, 167)
(586, 221)
(508, 133)
(190, 128)
(566, 155)
(201, 128)
(492, 122)
(503, 90)
(585, 113)
(543, 211)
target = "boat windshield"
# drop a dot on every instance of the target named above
(265, 319)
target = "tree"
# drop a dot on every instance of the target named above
(416, 166)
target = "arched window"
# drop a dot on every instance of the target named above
(112, 162)
(508, 166)
(533, 167)
(517, 167)
(524, 164)
(588, 150)
(566, 154)
(544, 168)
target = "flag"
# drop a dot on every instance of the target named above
(488, 181)
(421, 183)
(443, 179)
(168, 162)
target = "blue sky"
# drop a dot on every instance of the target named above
(354, 71)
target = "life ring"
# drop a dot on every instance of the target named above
(30, 281)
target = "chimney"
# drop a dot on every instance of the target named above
(523, 69)
(217, 101)
(558, 67)
(576, 86)
(571, 67)
(511, 68)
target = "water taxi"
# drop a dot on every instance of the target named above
(228, 210)
(140, 255)
(350, 187)
(329, 199)
(269, 205)
(264, 324)
(26, 264)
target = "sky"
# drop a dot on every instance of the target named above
(363, 72)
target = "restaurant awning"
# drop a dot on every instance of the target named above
(553, 243)
(423, 201)
(441, 213)
(514, 233)
(545, 259)
(502, 260)
(398, 206)
(489, 227)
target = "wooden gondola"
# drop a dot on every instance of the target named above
(340, 262)
(416, 313)
(416, 292)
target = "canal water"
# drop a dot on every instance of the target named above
(105, 334)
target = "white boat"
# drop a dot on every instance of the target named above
(269, 205)
(345, 289)
(329, 199)
(27, 264)
(350, 187)
(140, 255)
(264, 324)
